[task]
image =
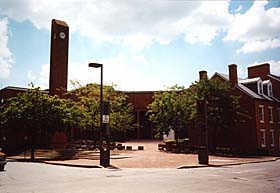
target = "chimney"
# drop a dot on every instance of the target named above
(233, 74)
(202, 74)
(262, 70)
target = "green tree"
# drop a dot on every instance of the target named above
(176, 107)
(38, 113)
(169, 110)
(221, 105)
(121, 111)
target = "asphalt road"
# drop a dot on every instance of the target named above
(43, 178)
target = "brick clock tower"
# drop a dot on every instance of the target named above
(59, 57)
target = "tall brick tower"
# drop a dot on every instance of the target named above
(59, 57)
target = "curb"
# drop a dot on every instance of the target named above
(230, 164)
(72, 165)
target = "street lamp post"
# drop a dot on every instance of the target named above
(104, 155)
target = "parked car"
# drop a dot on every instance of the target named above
(2, 160)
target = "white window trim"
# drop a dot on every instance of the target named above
(279, 137)
(278, 111)
(260, 87)
(269, 89)
(273, 134)
(270, 109)
(263, 144)
(261, 118)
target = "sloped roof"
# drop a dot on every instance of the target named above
(267, 97)
(249, 80)
(274, 77)
(20, 89)
(248, 91)
(225, 76)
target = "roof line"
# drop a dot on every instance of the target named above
(273, 77)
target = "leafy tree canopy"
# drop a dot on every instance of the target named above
(176, 107)
(88, 97)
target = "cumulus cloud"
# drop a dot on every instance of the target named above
(30, 76)
(134, 23)
(120, 70)
(5, 54)
(44, 76)
(203, 25)
(258, 46)
(238, 9)
(258, 29)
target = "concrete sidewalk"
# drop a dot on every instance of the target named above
(150, 157)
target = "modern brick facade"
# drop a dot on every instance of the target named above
(140, 100)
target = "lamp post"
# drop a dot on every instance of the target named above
(203, 157)
(104, 154)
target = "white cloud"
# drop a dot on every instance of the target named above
(134, 23)
(121, 70)
(258, 46)
(241, 72)
(258, 28)
(274, 67)
(30, 76)
(238, 9)
(44, 76)
(5, 54)
(207, 21)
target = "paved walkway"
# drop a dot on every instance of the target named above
(150, 157)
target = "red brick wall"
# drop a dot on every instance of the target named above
(8, 93)
(140, 100)
(58, 58)
(259, 71)
(267, 126)
(243, 128)
(275, 87)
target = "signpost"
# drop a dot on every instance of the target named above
(105, 134)
(104, 122)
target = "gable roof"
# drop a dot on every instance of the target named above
(274, 77)
(248, 91)
(241, 86)
(225, 76)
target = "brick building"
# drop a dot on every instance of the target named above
(257, 129)
(140, 100)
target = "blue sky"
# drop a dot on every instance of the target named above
(144, 45)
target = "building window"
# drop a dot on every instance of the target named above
(272, 142)
(270, 114)
(269, 90)
(278, 115)
(263, 137)
(261, 109)
(279, 136)
(260, 87)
